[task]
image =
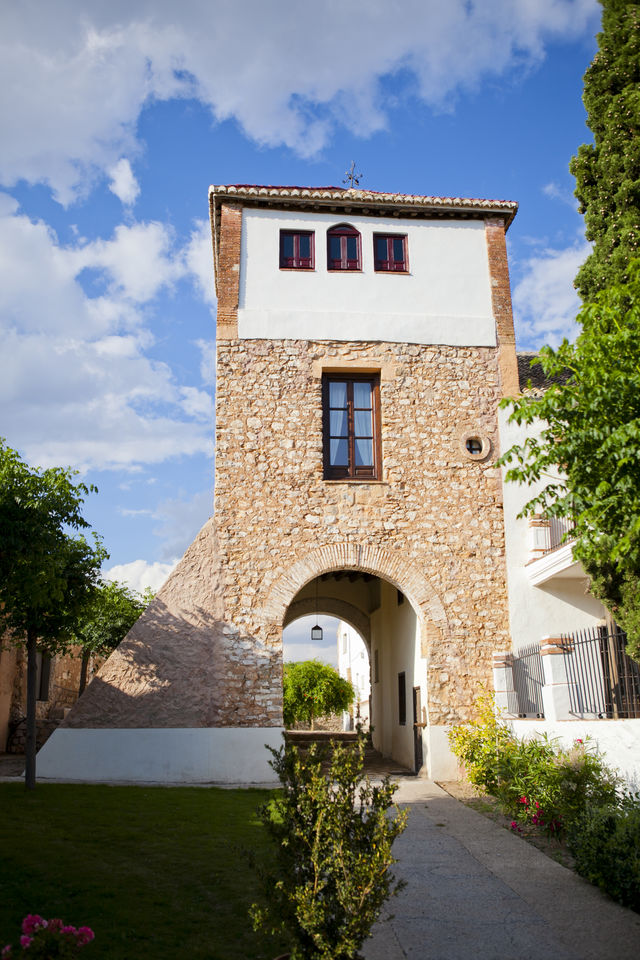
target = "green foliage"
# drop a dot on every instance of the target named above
(605, 842)
(313, 689)
(46, 573)
(111, 611)
(607, 172)
(480, 745)
(535, 782)
(589, 442)
(333, 840)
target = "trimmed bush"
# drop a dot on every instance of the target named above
(605, 842)
(333, 837)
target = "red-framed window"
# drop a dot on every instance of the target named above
(390, 252)
(296, 250)
(343, 248)
(351, 434)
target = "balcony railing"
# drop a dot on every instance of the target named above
(603, 681)
(547, 534)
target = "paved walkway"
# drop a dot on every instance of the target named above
(477, 892)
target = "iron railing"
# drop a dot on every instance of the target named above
(555, 533)
(604, 683)
(525, 700)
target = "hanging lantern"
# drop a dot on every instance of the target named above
(316, 631)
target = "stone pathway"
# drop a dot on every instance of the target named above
(477, 892)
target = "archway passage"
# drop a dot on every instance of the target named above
(386, 620)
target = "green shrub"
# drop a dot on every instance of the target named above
(333, 853)
(605, 842)
(535, 782)
(482, 745)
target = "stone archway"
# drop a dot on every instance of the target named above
(331, 607)
(399, 637)
(347, 555)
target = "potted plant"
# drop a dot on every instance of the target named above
(333, 838)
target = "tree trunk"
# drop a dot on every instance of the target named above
(84, 669)
(30, 746)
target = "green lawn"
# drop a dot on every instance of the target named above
(156, 872)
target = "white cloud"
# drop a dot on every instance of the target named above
(75, 81)
(545, 302)
(139, 574)
(81, 387)
(180, 520)
(199, 261)
(563, 194)
(123, 183)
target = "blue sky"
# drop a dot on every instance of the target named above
(117, 116)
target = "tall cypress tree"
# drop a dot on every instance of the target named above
(607, 172)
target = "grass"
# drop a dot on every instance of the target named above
(155, 872)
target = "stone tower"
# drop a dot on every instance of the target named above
(364, 341)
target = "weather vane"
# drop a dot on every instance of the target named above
(351, 177)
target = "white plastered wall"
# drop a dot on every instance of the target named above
(444, 299)
(561, 605)
(395, 633)
(235, 755)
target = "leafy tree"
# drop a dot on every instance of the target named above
(46, 571)
(107, 617)
(590, 435)
(607, 171)
(590, 442)
(313, 689)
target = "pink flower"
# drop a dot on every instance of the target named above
(523, 799)
(537, 804)
(32, 922)
(69, 929)
(6, 951)
(514, 825)
(25, 941)
(55, 924)
(85, 935)
(579, 741)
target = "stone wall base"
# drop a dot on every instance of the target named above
(225, 755)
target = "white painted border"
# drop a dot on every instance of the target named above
(160, 755)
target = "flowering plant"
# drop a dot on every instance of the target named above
(48, 939)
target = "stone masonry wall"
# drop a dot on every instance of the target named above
(436, 507)
(208, 649)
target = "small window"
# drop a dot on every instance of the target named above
(296, 250)
(390, 253)
(351, 408)
(343, 248)
(402, 699)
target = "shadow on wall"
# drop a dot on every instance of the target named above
(183, 671)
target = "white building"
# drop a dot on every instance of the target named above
(353, 665)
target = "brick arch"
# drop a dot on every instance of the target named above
(332, 607)
(387, 564)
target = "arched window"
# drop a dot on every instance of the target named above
(343, 248)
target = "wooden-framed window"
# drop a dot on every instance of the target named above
(351, 429)
(343, 248)
(297, 250)
(390, 253)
